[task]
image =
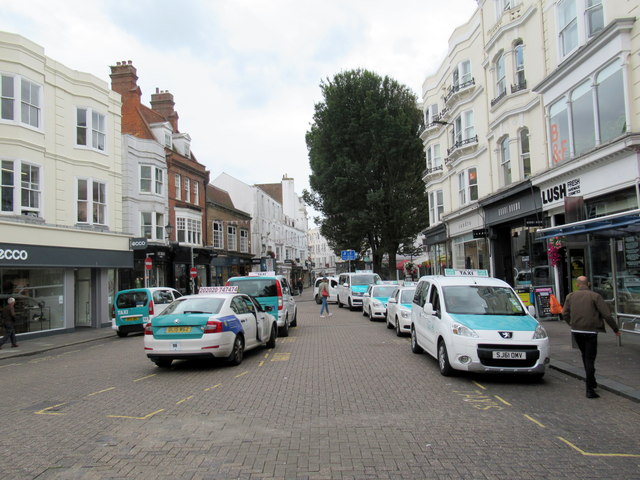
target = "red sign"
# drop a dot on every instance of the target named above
(148, 263)
(193, 272)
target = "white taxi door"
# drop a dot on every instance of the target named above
(263, 320)
(433, 320)
(418, 316)
(247, 319)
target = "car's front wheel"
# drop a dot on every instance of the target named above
(294, 322)
(389, 325)
(415, 348)
(237, 353)
(339, 302)
(443, 360)
(398, 331)
(272, 338)
(318, 299)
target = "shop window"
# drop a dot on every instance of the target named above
(559, 126)
(583, 118)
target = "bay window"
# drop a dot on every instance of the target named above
(21, 98)
(505, 161)
(89, 121)
(436, 206)
(467, 186)
(20, 188)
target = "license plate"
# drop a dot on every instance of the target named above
(132, 319)
(178, 329)
(510, 355)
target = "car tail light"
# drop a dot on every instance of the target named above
(280, 302)
(113, 311)
(147, 329)
(150, 307)
(213, 326)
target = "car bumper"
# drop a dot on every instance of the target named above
(378, 312)
(210, 345)
(405, 324)
(476, 355)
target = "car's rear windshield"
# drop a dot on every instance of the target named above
(482, 300)
(132, 299)
(257, 287)
(195, 305)
(365, 279)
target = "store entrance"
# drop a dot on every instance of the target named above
(82, 307)
(577, 261)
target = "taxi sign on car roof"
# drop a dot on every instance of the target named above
(454, 272)
(230, 289)
(364, 271)
(262, 274)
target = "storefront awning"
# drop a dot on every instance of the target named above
(616, 225)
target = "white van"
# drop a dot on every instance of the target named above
(352, 286)
(471, 322)
(333, 289)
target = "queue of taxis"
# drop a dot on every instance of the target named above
(471, 322)
(399, 308)
(218, 322)
(374, 300)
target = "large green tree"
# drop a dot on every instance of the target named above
(366, 162)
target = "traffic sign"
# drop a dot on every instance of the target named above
(348, 254)
(193, 272)
(148, 263)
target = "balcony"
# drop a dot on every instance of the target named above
(435, 123)
(456, 91)
(461, 147)
(499, 97)
(432, 173)
(520, 86)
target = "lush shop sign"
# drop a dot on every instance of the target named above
(556, 193)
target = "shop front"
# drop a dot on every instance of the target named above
(59, 288)
(469, 244)
(437, 250)
(517, 256)
(225, 266)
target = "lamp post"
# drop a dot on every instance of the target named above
(168, 228)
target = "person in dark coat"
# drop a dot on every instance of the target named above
(585, 311)
(9, 321)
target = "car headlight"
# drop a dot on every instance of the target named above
(463, 330)
(405, 314)
(539, 333)
(376, 303)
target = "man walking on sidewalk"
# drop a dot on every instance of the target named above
(8, 316)
(584, 311)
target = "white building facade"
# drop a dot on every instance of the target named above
(61, 218)
(323, 259)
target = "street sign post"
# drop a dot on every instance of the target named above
(193, 272)
(148, 263)
(348, 255)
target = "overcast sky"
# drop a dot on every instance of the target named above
(244, 74)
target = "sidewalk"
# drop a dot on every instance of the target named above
(617, 367)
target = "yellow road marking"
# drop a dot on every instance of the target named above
(137, 418)
(261, 363)
(184, 400)
(241, 374)
(281, 357)
(480, 386)
(590, 454)
(101, 391)
(45, 411)
(211, 388)
(266, 355)
(534, 421)
(502, 400)
(144, 378)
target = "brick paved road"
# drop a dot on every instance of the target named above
(341, 398)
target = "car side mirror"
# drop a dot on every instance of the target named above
(428, 309)
(532, 310)
(392, 300)
(367, 295)
(345, 284)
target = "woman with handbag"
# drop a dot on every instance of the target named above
(324, 294)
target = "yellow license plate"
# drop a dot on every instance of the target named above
(132, 319)
(178, 329)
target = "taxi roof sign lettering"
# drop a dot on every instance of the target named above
(262, 274)
(455, 272)
(229, 289)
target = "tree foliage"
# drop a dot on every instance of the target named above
(366, 162)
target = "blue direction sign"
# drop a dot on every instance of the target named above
(348, 254)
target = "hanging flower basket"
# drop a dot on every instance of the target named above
(553, 251)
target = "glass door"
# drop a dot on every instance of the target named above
(82, 310)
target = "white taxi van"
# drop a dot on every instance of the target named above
(352, 287)
(471, 322)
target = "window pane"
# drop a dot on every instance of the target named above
(595, 17)
(82, 190)
(582, 115)
(7, 186)
(559, 126)
(145, 178)
(611, 104)
(7, 97)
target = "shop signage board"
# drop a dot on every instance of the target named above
(632, 251)
(542, 297)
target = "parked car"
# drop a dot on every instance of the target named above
(351, 287)
(471, 322)
(270, 290)
(333, 289)
(134, 307)
(374, 301)
(399, 310)
(209, 325)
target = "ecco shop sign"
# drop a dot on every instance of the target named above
(13, 254)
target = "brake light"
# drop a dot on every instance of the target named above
(150, 307)
(279, 291)
(113, 311)
(147, 329)
(213, 326)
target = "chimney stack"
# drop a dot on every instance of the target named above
(124, 80)
(162, 102)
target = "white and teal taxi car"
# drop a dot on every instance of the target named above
(219, 322)
(352, 286)
(399, 309)
(471, 322)
(374, 301)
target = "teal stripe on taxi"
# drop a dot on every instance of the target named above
(359, 288)
(514, 323)
(383, 300)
